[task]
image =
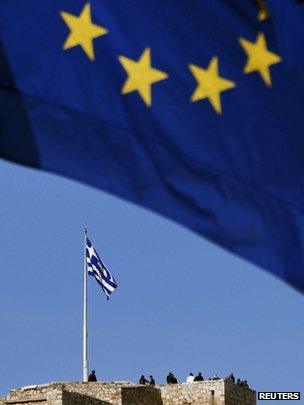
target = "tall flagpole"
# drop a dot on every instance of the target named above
(85, 312)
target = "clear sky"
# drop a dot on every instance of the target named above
(183, 304)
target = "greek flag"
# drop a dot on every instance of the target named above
(98, 269)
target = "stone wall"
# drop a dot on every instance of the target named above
(72, 398)
(32, 395)
(117, 393)
(47, 394)
(236, 395)
(109, 393)
(140, 394)
(201, 393)
(208, 392)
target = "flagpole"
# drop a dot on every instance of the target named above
(85, 312)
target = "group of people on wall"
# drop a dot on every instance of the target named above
(171, 379)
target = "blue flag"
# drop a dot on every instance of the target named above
(194, 109)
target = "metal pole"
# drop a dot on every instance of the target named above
(85, 312)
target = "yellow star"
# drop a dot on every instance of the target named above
(141, 75)
(83, 31)
(263, 14)
(210, 84)
(263, 11)
(259, 57)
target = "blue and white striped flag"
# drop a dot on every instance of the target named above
(98, 269)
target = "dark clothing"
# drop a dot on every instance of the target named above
(171, 379)
(152, 381)
(231, 378)
(143, 381)
(199, 378)
(92, 377)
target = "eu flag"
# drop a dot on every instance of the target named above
(192, 108)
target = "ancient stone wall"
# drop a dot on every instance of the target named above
(110, 393)
(32, 395)
(201, 393)
(72, 398)
(48, 394)
(236, 395)
(139, 395)
(117, 393)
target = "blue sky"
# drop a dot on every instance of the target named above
(183, 304)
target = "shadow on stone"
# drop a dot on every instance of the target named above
(140, 395)
(73, 398)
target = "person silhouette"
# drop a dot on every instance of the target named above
(231, 378)
(199, 377)
(92, 377)
(152, 381)
(143, 381)
(190, 378)
(171, 379)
